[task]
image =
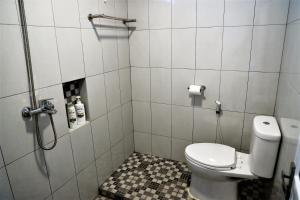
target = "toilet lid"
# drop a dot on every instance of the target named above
(212, 155)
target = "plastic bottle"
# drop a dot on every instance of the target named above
(80, 111)
(72, 118)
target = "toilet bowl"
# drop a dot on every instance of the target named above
(217, 168)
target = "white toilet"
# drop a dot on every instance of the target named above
(216, 168)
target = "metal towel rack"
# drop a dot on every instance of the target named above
(124, 20)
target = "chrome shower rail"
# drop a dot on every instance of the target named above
(124, 20)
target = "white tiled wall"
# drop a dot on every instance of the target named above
(212, 42)
(64, 46)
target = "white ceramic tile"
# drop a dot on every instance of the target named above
(60, 163)
(128, 145)
(138, 9)
(71, 19)
(231, 125)
(140, 80)
(181, 80)
(39, 12)
(82, 146)
(142, 142)
(13, 69)
(100, 135)
(117, 154)
(160, 48)
(139, 48)
(95, 97)
(210, 13)
(267, 48)
(211, 79)
(31, 167)
(113, 93)
(68, 192)
(205, 125)
(20, 134)
(182, 122)
(104, 167)
(125, 85)
(115, 126)
(238, 12)
(5, 191)
(87, 183)
(92, 52)
(208, 48)
(123, 48)
(121, 8)
(236, 48)
(247, 132)
(8, 12)
(178, 148)
(161, 119)
(271, 12)
(183, 48)
(110, 49)
(127, 119)
(294, 10)
(160, 14)
(161, 146)
(70, 53)
(44, 56)
(108, 8)
(141, 116)
(262, 88)
(180, 17)
(161, 85)
(85, 8)
(233, 83)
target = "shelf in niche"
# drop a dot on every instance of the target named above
(71, 130)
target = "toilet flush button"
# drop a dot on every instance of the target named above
(266, 123)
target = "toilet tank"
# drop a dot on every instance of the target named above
(264, 146)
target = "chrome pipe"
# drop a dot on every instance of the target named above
(124, 20)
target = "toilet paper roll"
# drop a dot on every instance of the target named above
(195, 90)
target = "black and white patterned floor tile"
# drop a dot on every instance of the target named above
(144, 176)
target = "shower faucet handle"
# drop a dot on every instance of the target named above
(47, 106)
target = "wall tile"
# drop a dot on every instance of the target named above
(160, 48)
(60, 165)
(1, 159)
(108, 8)
(211, 79)
(138, 9)
(115, 126)
(85, 8)
(141, 116)
(210, 13)
(31, 167)
(70, 53)
(271, 12)
(100, 136)
(104, 167)
(205, 125)
(39, 13)
(113, 94)
(128, 145)
(161, 119)
(161, 146)
(125, 85)
(117, 154)
(13, 69)
(182, 122)
(142, 142)
(95, 97)
(123, 47)
(127, 119)
(82, 146)
(180, 17)
(294, 10)
(183, 48)
(247, 132)
(110, 49)
(232, 83)
(209, 48)
(8, 12)
(68, 192)
(236, 48)
(5, 191)
(161, 85)
(181, 80)
(139, 48)
(239, 13)
(267, 48)
(44, 56)
(140, 80)
(87, 183)
(178, 148)
(60, 17)
(92, 52)
(262, 88)
(160, 14)
(121, 8)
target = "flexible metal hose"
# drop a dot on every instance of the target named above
(39, 137)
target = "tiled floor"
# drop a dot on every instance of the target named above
(143, 176)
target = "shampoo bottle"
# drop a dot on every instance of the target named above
(80, 111)
(71, 115)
